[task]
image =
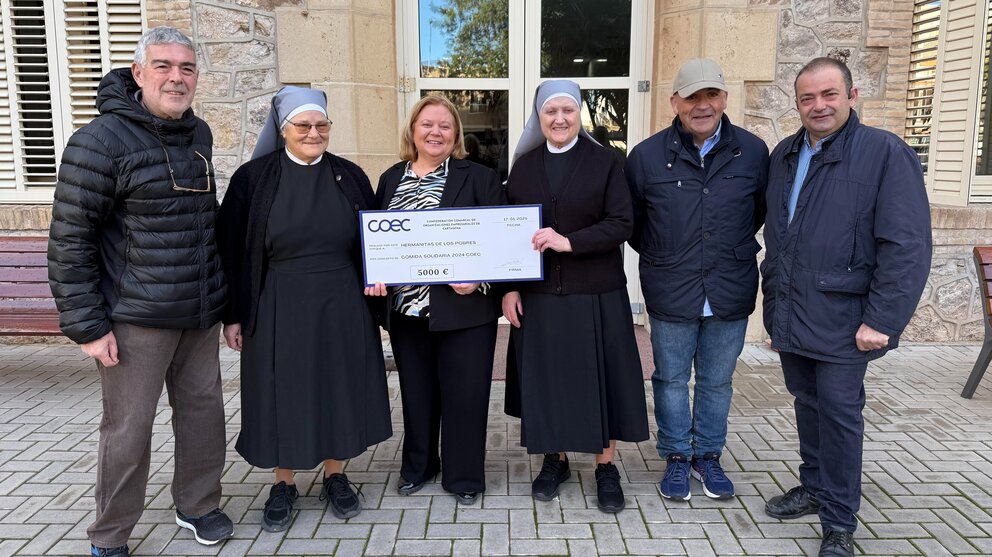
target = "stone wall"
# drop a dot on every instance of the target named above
(326, 44)
(871, 36)
(951, 308)
(236, 44)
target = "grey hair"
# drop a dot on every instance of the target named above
(160, 35)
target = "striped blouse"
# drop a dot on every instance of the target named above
(415, 192)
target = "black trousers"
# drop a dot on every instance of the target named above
(445, 378)
(829, 402)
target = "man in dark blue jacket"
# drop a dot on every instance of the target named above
(849, 245)
(698, 192)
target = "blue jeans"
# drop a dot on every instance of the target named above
(713, 345)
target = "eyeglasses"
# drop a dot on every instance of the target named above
(303, 128)
(172, 173)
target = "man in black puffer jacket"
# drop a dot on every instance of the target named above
(136, 276)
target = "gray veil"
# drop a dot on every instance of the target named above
(286, 103)
(532, 136)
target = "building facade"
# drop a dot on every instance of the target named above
(922, 68)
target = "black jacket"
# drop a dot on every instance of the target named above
(593, 211)
(124, 244)
(468, 185)
(242, 221)
(857, 250)
(695, 221)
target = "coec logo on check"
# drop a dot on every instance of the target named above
(389, 225)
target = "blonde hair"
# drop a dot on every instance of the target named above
(408, 149)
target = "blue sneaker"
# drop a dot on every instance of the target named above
(675, 484)
(716, 484)
(121, 551)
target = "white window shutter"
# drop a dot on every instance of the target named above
(30, 47)
(6, 122)
(83, 61)
(124, 28)
(52, 57)
(922, 70)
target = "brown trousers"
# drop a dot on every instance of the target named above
(186, 361)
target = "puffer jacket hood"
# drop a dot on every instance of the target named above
(116, 94)
(132, 235)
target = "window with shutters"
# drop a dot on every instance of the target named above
(52, 56)
(983, 160)
(922, 71)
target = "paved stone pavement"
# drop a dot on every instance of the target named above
(927, 486)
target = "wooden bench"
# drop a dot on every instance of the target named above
(983, 266)
(26, 303)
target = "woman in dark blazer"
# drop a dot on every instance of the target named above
(573, 371)
(443, 336)
(313, 382)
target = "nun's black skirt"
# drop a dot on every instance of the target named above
(574, 375)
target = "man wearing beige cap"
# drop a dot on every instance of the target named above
(698, 189)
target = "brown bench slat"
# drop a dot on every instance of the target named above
(24, 274)
(17, 244)
(26, 304)
(23, 260)
(24, 290)
(29, 324)
(984, 253)
(986, 272)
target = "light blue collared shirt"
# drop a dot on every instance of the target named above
(806, 153)
(706, 148)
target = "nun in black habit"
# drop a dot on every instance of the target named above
(313, 383)
(574, 375)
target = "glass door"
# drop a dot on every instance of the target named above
(489, 56)
(468, 51)
(589, 42)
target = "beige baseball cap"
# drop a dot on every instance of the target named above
(696, 74)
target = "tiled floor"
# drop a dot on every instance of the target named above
(927, 476)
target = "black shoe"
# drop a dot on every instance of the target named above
(836, 544)
(467, 497)
(796, 502)
(609, 494)
(344, 501)
(208, 529)
(553, 472)
(278, 511)
(121, 551)
(406, 487)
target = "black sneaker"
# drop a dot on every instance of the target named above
(121, 551)
(467, 497)
(405, 487)
(836, 544)
(609, 494)
(278, 511)
(794, 503)
(344, 501)
(553, 472)
(208, 529)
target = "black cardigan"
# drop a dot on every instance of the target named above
(241, 228)
(468, 185)
(593, 211)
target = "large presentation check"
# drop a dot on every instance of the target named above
(439, 246)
